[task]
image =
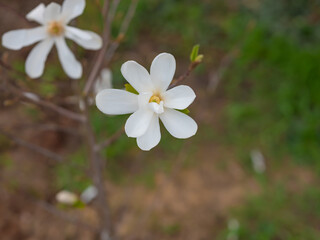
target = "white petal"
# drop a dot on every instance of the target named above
(162, 70)
(152, 136)
(178, 124)
(86, 39)
(143, 99)
(137, 76)
(138, 123)
(37, 14)
(52, 12)
(70, 64)
(115, 101)
(37, 58)
(72, 9)
(179, 97)
(18, 39)
(157, 108)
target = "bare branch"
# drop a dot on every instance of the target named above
(225, 63)
(56, 212)
(123, 30)
(184, 76)
(99, 59)
(42, 103)
(105, 52)
(97, 165)
(7, 8)
(50, 127)
(110, 140)
(40, 150)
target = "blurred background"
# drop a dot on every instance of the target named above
(252, 170)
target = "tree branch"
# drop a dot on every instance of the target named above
(40, 150)
(42, 103)
(110, 140)
(184, 76)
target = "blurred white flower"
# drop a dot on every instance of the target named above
(89, 194)
(258, 161)
(104, 81)
(66, 197)
(233, 228)
(154, 101)
(233, 224)
(31, 96)
(54, 20)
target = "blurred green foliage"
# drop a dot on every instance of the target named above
(280, 214)
(274, 84)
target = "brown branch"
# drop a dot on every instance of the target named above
(107, 53)
(40, 150)
(99, 59)
(217, 76)
(123, 30)
(42, 103)
(110, 140)
(49, 127)
(97, 165)
(184, 76)
(10, 9)
(58, 213)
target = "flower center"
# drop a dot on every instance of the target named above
(155, 98)
(55, 28)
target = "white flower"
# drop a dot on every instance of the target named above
(258, 161)
(89, 194)
(54, 29)
(104, 81)
(154, 101)
(66, 197)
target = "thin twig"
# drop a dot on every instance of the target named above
(225, 63)
(58, 213)
(113, 10)
(50, 127)
(42, 103)
(108, 52)
(7, 8)
(40, 150)
(99, 59)
(184, 76)
(123, 30)
(110, 140)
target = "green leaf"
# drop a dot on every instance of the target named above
(129, 88)
(185, 111)
(194, 53)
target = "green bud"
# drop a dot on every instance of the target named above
(194, 53)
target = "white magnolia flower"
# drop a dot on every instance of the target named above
(154, 101)
(104, 81)
(89, 194)
(258, 161)
(54, 29)
(66, 197)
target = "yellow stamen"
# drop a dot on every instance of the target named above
(55, 28)
(155, 98)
